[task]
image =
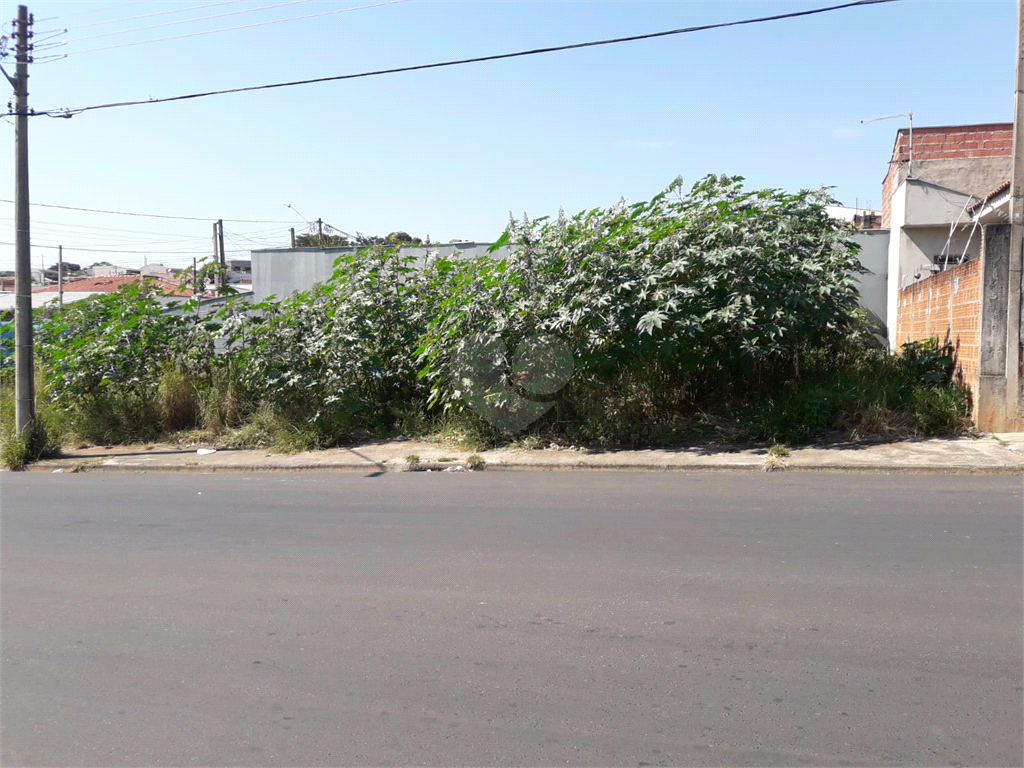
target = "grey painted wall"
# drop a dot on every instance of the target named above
(974, 175)
(282, 271)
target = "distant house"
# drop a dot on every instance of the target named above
(927, 195)
(110, 270)
(861, 218)
(74, 290)
(157, 269)
(239, 273)
(947, 203)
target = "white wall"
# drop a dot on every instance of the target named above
(874, 254)
(897, 217)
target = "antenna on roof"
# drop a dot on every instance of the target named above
(910, 151)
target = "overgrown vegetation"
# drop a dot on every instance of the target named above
(715, 314)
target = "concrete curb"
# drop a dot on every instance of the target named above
(55, 465)
(981, 455)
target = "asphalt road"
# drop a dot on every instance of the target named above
(511, 619)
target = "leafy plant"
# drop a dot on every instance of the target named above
(338, 357)
(677, 295)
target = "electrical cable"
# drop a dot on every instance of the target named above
(65, 112)
(231, 234)
(156, 215)
(120, 230)
(125, 238)
(48, 232)
(109, 250)
(158, 13)
(186, 21)
(244, 26)
(96, 10)
(52, 34)
(50, 59)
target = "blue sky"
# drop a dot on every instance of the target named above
(450, 153)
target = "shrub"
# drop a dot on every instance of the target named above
(338, 357)
(45, 437)
(714, 314)
(677, 295)
(177, 400)
(115, 417)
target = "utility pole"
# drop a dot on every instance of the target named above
(216, 250)
(197, 292)
(1014, 419)
(222, 277)
(60, 276)
(24, 373)
(320, 237)
(292, 230)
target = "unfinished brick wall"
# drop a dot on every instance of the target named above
(943, 143)
(947, 306)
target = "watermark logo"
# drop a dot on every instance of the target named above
(511, 390)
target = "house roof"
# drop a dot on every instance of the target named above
(973, 127)
(926, 130)
(1004, 187)
(115, 283)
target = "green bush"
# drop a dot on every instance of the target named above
(267, 428)
(115, 417)
(177, 400)
(699, 288)
(44, 439)
(717, 314)
(941, 411)
(338, 358)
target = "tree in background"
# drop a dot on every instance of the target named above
(69, 268)
(331, 239)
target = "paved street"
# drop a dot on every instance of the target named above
(585, 618)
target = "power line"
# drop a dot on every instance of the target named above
(71, 238)
(116, 241)
(121, 232)
(158, 215)
(65, 112)
(186, 21)
(96, 10)
(158, 13)
(109, 250)
(244, 26)
(118, 230)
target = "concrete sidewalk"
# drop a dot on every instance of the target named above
(987, 454)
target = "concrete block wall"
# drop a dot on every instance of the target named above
(959, 142)
(947, 306)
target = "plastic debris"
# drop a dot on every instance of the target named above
(206, 451)
(56, 471)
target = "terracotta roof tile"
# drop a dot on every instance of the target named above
(993, 194)
(112, 284)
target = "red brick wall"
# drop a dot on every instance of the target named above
(943, 143)
(948, 306)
